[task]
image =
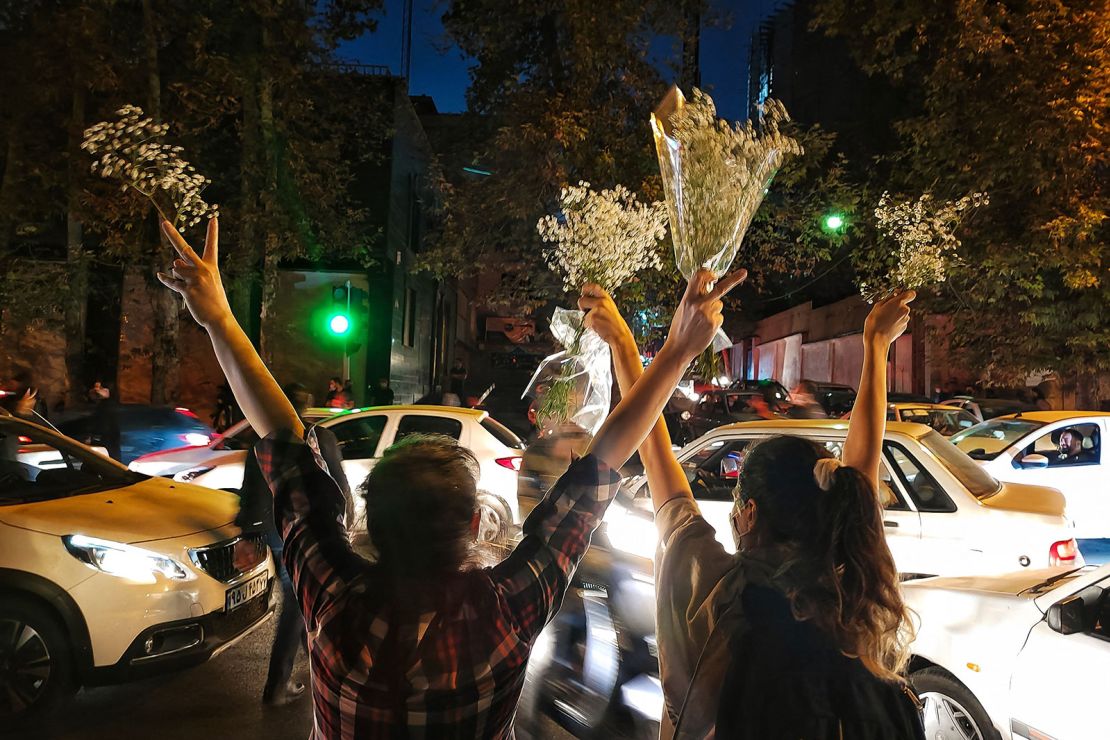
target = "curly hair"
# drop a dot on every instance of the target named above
(838, 571)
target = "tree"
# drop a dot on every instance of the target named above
(1010, 99)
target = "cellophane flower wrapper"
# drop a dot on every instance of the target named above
(714, 178)
(575, 385)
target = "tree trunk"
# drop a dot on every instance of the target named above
(166, 304)
(691, 49)
(75, 298)
(270, 249)
(9, 187)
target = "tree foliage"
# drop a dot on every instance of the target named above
(1010, 100)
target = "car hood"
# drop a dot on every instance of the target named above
(1016, 584)
(152, 509)
(1027, 498)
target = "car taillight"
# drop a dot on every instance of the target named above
(24, 440)
(1062, 552)
(512, 463)
(186, 412)
(195, 439)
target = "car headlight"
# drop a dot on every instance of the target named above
(188, 476)
(631, 531)
(126, 561)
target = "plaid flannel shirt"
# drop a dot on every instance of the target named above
(383, 669)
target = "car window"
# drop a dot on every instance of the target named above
(35, 466)
(990, 439)
(888, 492)
(1078, 444)
(426, 424)
(502, 433)
(358, 438)
(714, 469)
(927, 493)
(977, 481)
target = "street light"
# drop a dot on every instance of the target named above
(834, 221)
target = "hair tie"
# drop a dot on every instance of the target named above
(823, 472)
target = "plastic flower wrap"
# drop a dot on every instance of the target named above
(132, 150)
(924, 232)
(602, 237)
(714, 178)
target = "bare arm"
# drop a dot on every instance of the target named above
(863, 447)
(696, 320)
(666, 478)
(197, 279)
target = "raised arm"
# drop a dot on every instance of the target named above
(666, 479)
(695, 321)
(863, 447)
(197, 279)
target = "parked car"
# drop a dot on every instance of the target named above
(107, 575)
(774, 391)
(1025, 448)
(142, 429)
(1021, 655)
(944, 515)
(364, 434)
(989, 408)
(899, 397)
(946, 420)
(716, 408)
(836, 399)
(237, 439)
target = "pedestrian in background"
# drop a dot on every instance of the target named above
(98, 392)
(803, 402)
(256, 514)
(382, 395)
(458, 378)
(421, 642)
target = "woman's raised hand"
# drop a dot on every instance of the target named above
(698, 316)
(197, 277)
(602, 315)
(888, 318)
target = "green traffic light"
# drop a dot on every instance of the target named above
(339, 324)
(834, 221)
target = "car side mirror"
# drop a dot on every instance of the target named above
(1034, 461)
(1068, 616)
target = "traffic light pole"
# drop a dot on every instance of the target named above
(346, 339)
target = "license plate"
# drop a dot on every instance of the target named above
(244, 592)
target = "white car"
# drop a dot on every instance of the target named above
(107, 575)
(944, 515)
(364, 434)
(1024, 448)
(227, 447)
(1022, 655)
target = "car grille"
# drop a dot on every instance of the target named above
(218, 560)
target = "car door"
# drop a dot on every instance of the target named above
(362, 438)
(1058, 688)
(1085, 485)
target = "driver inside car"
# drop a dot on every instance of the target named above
(1071, 448)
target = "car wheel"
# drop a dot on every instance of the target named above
(951, 712)
(495, 518)
(36, 671)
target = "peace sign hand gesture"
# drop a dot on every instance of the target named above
(698, 316)
(197, 278)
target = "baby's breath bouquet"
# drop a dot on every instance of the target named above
(602, 237)
(133, 150)
(714, 177)
(924, 232)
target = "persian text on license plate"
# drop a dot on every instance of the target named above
(244, 592)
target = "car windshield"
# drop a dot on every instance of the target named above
(36, 465)
(990, 439)
(977, 481)
(945, 421)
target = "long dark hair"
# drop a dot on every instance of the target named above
(838, 571)
(420, 502)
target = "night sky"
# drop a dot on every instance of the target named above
(442, 74)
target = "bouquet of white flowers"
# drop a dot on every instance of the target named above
(602, 237)
(132, 149)
(714, 177)
(924, 232)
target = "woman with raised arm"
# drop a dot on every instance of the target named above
(802, 633)
(420, 642)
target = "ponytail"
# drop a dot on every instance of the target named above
(839, 572)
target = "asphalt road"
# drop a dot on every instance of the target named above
(220, 699)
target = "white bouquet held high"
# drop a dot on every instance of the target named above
(714, 175)
(132, 150)
(602, 237)
(924, 232)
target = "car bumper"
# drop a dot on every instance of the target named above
(184, 643)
